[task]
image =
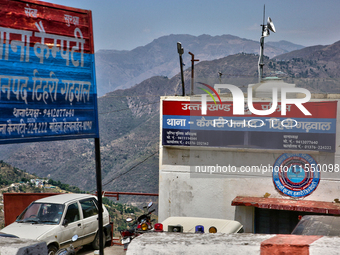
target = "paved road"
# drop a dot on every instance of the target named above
(108, 250)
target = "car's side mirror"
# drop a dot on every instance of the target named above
(150, 204)
(65, 222)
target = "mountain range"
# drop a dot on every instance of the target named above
(124, 69)
(129, 119)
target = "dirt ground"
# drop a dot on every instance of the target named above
(108, 250)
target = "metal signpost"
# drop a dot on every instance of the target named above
(47, 76)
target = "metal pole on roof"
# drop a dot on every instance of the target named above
(265, 32)
(261, 64)
(99, 194)
(180, 52)
(220, 79)
(192, 71)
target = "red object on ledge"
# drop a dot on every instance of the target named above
(288, 204)
(288, 244)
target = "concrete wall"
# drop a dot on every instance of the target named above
(184, 243)
(16, 246)
(182, 193)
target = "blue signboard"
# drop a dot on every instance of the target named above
(47, 76)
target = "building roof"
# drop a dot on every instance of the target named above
(288, 204)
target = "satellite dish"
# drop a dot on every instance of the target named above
(270, 25)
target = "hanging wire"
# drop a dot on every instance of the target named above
(141, 162)
(128, 108)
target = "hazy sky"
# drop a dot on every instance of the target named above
(127, 24)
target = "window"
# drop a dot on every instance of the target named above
(51, 213)
(31, 211)
(270, 221)
(89, 208)
(42, 213)
(72, 213)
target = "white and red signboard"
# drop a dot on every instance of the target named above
(184, 125)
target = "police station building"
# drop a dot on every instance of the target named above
(264, 158)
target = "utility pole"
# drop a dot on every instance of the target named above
(261, 64)
(265, 32)
(180, 52)
(192, 71)
(220, 79)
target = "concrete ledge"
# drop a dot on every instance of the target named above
(288, 244)
(325, 245)
(16, 246)
(187, 243)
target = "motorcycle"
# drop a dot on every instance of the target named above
(139, 226)
(70, 250)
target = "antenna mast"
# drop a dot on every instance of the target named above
(265, 33)
(261, 64)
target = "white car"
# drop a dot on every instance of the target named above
(56, 219)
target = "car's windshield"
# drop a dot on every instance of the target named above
(42, 213)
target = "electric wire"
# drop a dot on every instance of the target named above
(109, 96)
(139, 163)
(128, 108)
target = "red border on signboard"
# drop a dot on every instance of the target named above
(323, 109)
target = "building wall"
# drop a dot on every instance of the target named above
(182, 193)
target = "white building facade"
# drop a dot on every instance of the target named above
(264, 171)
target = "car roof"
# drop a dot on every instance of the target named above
(325, 225)
(63, 198)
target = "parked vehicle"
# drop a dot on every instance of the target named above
(201, 225)
(56, 219)
(138, 227)
(70, 250)
(318, 225)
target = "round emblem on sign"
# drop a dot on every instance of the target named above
(296, 175)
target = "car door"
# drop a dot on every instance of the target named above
(90, 219)
(72, 225)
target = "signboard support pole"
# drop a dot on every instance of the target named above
(99, 194)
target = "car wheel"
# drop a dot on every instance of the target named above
(95, 243)
(52, 250)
